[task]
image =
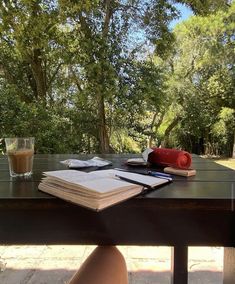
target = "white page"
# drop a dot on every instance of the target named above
(146, 179)
(100, 184)
(105, 185)
(74, 176)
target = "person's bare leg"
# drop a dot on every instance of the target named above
(105, 265)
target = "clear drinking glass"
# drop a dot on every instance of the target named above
(20, 152)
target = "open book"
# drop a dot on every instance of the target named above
(98, 189)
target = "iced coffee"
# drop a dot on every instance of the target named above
(20, 152)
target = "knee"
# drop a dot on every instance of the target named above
(112, 252)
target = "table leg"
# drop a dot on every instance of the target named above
(179, 265)
(229, 266)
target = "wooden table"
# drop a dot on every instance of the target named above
(195, 211)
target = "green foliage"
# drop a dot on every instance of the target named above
(202, 81)
(223, 133)
(100, 76)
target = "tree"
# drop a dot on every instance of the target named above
(29, 48)
(105, 49)
(86, 66)
(202, 71)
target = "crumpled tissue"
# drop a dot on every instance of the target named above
(94, 162)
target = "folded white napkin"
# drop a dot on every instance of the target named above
(146, 153)
(140, 161)
(94, 162)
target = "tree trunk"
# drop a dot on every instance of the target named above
(103, 137)
(36, 61)
(233, 156)
(38, 74)
(150, 142)
(165, 141)
(99, 79)
(104, 145)
(31, 80)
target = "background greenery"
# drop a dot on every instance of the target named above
(111, 76)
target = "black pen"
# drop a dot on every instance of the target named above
(135, 182)
(160, 175)
(148, 173)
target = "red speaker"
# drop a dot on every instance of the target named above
(170, 157)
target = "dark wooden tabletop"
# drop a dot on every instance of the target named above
(197, 210)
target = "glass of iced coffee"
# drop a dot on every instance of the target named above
(20, 153)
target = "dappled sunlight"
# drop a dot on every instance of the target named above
(205, 259)
(230, 163)
(157, 259)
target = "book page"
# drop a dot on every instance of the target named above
(72, 176)
(75, 176)
(145, 179)
(106, 185)
(103, 183)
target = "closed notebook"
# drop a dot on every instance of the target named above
(99, 189)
